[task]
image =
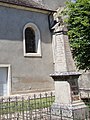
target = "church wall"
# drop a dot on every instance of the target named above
(27, 73)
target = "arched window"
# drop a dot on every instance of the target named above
(31, 39)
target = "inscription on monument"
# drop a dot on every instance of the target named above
(74, 90)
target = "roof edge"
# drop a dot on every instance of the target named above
(27, 6)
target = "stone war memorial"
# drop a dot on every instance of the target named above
(84, 79)
(65, 76)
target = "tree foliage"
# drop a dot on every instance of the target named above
(78, 23)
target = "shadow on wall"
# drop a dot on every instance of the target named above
(12, 22)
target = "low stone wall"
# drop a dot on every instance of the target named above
(85, 93)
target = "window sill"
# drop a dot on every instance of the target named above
(32, 55)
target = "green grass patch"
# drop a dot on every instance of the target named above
(25, 105)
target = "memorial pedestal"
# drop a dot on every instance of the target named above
(67, 99)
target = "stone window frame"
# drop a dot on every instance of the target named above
(37, 41)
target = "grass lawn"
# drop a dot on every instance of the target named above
(25, 105)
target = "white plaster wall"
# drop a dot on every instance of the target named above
(27, 72)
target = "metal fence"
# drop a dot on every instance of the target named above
(37, 107)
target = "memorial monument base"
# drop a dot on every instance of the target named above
(68, 104)
(74, 111)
